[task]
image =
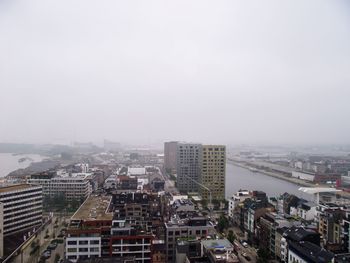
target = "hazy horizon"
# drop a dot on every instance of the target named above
(144, 72)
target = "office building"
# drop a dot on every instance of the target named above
(189, 163)
(75, 186)
(213, 171)
(20, 212)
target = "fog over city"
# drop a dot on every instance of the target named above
(149, 71)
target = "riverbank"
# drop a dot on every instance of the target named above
(275, 175)
(238, 178)
(10, 162)
(292, 180)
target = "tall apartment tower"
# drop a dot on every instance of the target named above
(170, 151)
(21, 212)
(213, 171)
(189, 162)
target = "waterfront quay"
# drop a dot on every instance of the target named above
(281, 173)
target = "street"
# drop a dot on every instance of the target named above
(249, 251)
(43, 243)
(169, 185)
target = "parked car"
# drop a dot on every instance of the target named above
(46, 254)
(52, 246)
(247, 258)
(42, 260)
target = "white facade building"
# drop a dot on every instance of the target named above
(73, 186)
(284, 249)
(110, 182)
(236, 199)
(80, 247)
(293, 257)
(307, 211)
(136, 171)
(304, 176)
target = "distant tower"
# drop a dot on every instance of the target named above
(170, 151)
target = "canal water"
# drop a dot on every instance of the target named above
(240, 178)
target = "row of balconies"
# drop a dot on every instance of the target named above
(16, 228)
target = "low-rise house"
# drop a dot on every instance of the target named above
(186, 225)
(296, 235)
(235, 201)
(330, 227)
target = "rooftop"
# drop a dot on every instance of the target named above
(217, 244)
(316, 190)
(16, 187)
(136, 170)
(94, 208)
(188, 219)
(311, 252)
(222, 256)
(299, 233)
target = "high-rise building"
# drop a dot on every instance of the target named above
(170, 152)
(213, 171)
(21, 211)
(189, 162)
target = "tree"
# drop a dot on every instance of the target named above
(57, 257)
(263, 255)
(231, 236)
(216, 204)
(223, 223)
(74, 204)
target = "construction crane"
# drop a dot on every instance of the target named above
(206, 188)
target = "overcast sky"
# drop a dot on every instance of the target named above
(149, 71)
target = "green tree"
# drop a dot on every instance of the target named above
(216, 204)
(222, 223)
(263, 255)
(204, 203)
(74, 204)
(57, 257)
(231, 236)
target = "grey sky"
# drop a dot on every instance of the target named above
(146, 71)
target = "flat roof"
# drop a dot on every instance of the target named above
(94, 208)
(15, 187)
(316, 190)
(216, 243)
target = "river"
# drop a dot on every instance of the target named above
(239, 178)
(9, 162)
